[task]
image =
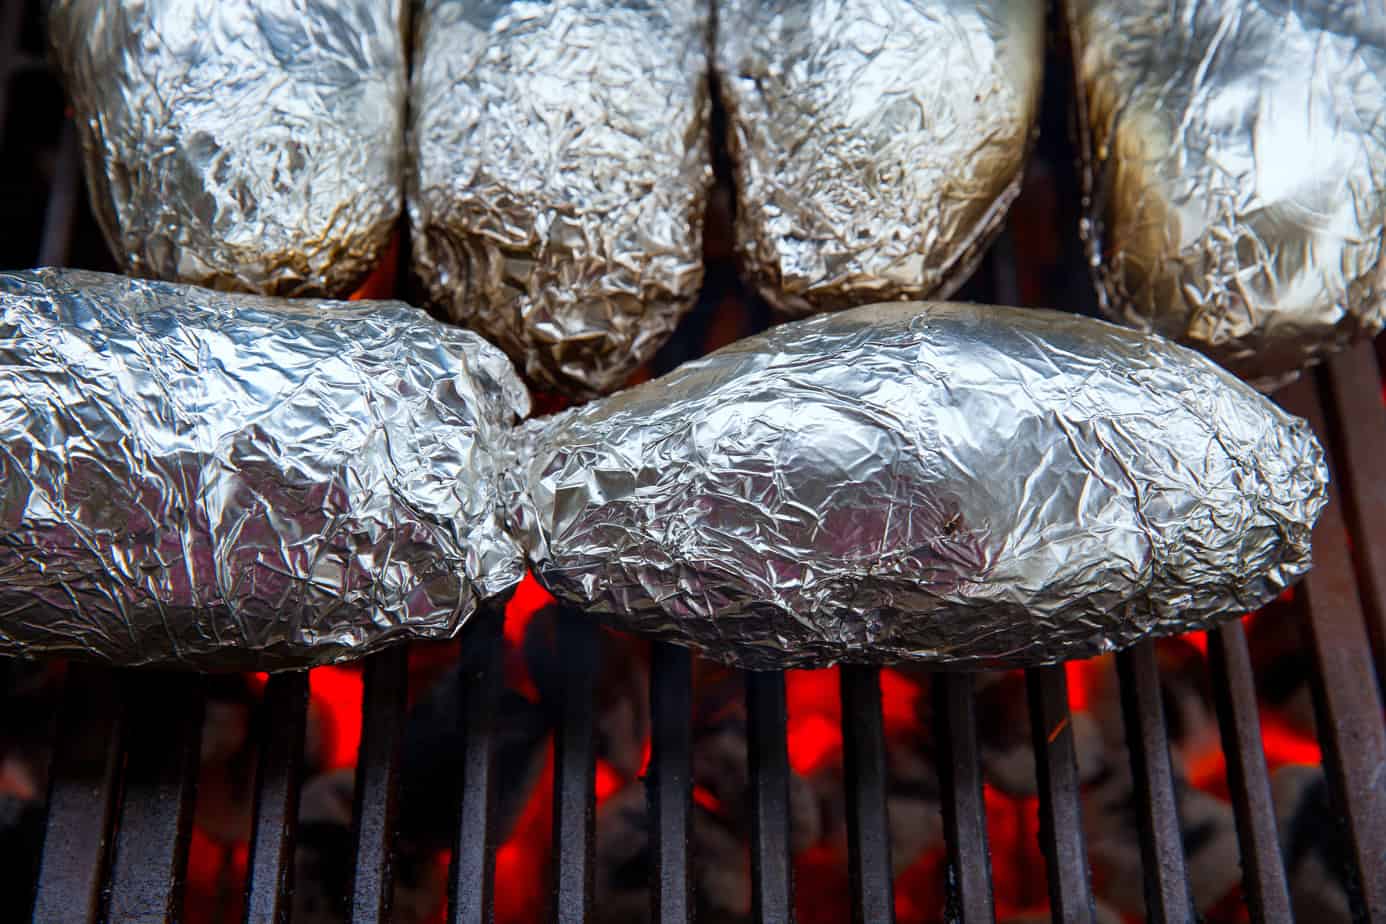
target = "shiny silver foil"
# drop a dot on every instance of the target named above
(236, 482)
(559, 166)
(250, 145)
(1237, 172)
(965, 485)
(877, 143)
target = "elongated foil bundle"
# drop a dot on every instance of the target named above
(560, 163)
(251, 145)
(233, 481)
(877, 143)
(1237, 172)
(966, 485)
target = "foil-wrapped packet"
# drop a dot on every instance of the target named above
(239, 482)
(965, 485)
(250, 145)
(877, 143)
(559, 168)
(1236, 172)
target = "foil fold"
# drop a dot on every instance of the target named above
(220, 481)
(877, 144)
(247, 145)
(1236, 173)
(963, 485)
(559, 166)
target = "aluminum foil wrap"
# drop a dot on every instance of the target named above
(877, 143)
(251, 145)
(240, 482)
(560, 163)
(1237, 172)
(966, 485)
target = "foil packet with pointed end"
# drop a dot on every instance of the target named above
(877, 143)
(231, 482)
(247, 145)
(559, 170)
(1236, 173)
(964, 485)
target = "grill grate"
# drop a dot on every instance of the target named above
(124, 767)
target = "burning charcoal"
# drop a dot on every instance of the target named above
(433, 756)
(721, 865)
(1235, 206)
(251, 145)
(239, 482)
(931, 482)
(226, 778)
(1190, 716)
(877, 143)
(1007, 745)
(557, 186)
(1103, 914)
(721, 767)
(622, 693)
(1283, 665)
(1314, 845)
(323, 860)
(912, 802)
(1207, 826)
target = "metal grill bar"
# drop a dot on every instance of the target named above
(964, 808)
(1234, 694)
(1060, 812)
(864, 766)
(1354, 384)
(575, 769)
(270, 882)
(384, 697)
(163, 723)
(772, 874)
(670, 785)
(472, 876)
(1346, 702)
(1167, 894)
(81, 798)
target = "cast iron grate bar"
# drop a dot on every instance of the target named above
(575, 768)
(163, 729)
(472, 876)
(864, 765)
(269, 883)
(1167, 894)
(1234, 694)
(772, 873)
(81, 798)
(385, 695)
(1060, 808)
(968, 882)
(1347, 705)
(670, 784)
(1354, 380)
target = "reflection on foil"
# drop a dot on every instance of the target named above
(250, 145)
(559, 169)
(950, 483)
(1237, 173)
(236, 482)
(877, 143)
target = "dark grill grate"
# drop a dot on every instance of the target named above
(124, 767)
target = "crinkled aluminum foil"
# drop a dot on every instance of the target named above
(966, 485)
(236, 482)
(1237, 172)
(877, 143)
(252, 145)
(560, 164)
